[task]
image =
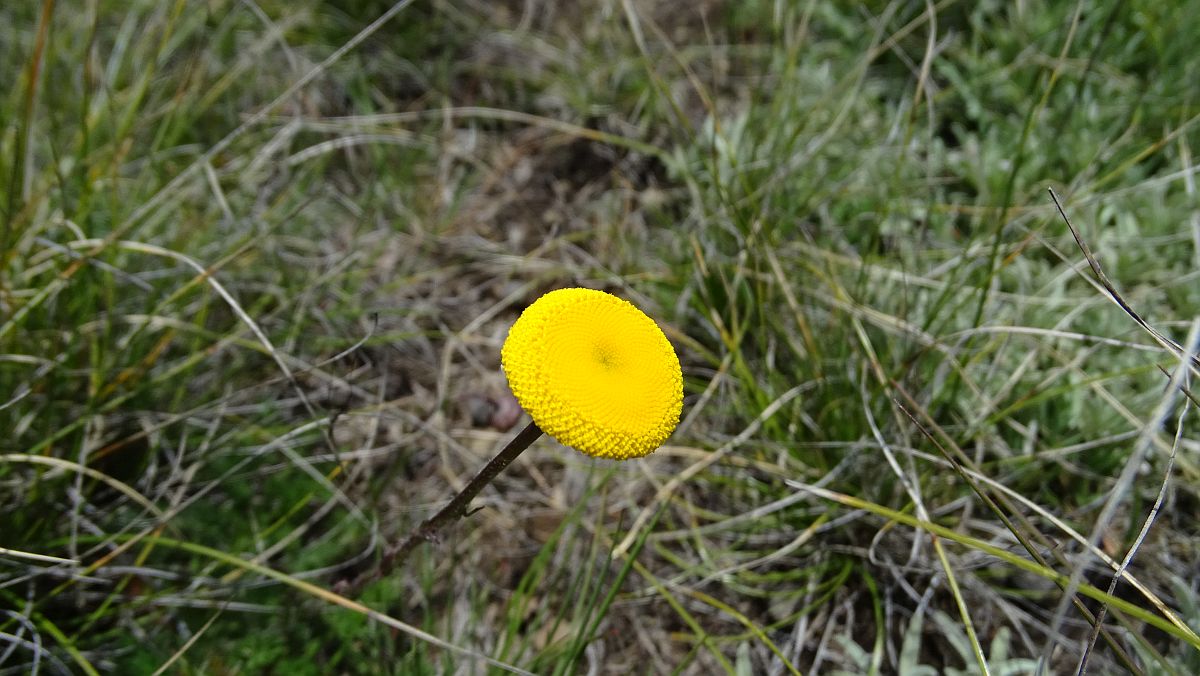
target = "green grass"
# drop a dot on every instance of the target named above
(256, 266)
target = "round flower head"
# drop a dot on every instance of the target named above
(595, 373)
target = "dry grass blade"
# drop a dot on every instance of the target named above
(246, 319)
(38, 651)
(40, 558)
(1177, 380)
(1075, 535)
(332, 598)
(266, 342)
(1115, 295)
(1004, 555)
(1020, 533)
(683, 477)
(914, 494)
(68, 465)
(1187, 362)
(187, 644)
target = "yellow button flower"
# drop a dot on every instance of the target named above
(595, 373)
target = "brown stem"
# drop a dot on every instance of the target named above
(455, 509)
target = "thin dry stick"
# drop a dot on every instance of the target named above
(1146, 436)
(960, 465)
(1181, 375)
(454, 510)
(1115, 295)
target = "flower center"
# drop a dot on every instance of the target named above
(606, 356)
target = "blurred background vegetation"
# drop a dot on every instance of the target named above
(258, 258)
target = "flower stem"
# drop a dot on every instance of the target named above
(454, 510)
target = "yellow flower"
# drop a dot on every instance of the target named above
(595, 373)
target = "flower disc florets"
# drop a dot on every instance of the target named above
(595, 373)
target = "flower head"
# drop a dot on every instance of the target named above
(595, 373)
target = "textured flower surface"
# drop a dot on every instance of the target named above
(595, 373)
